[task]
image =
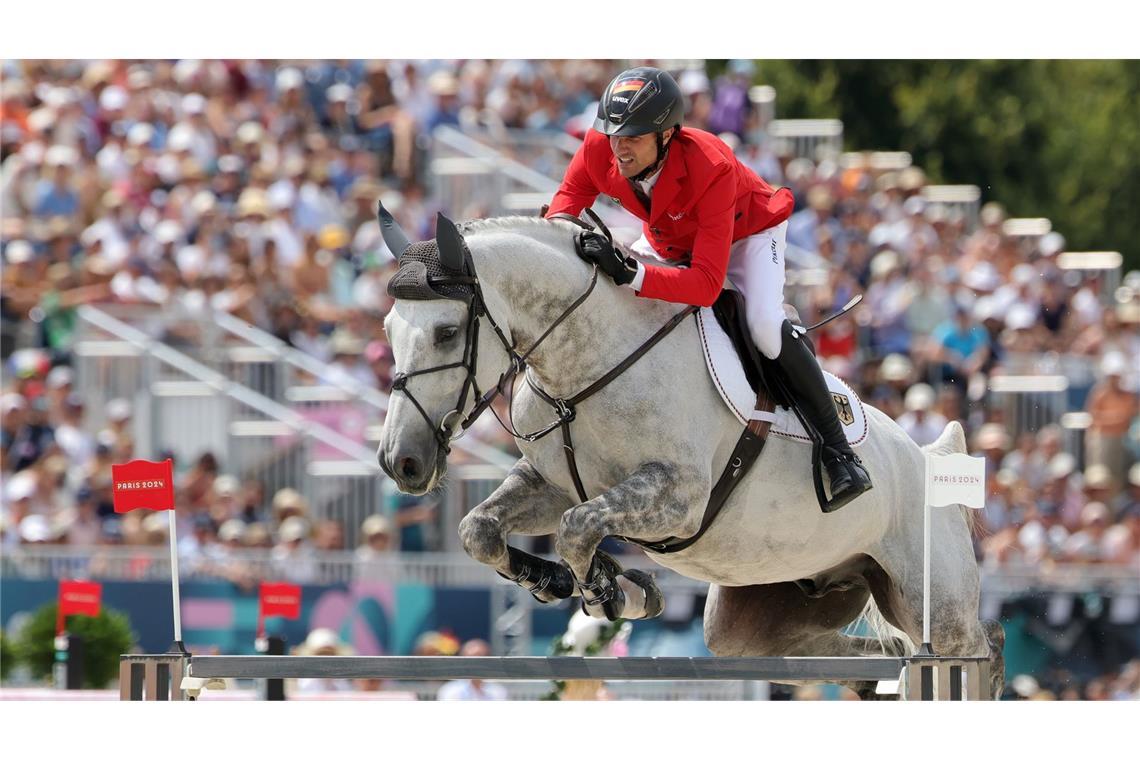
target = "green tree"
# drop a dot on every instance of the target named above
(1057, 139)
(7, 656)
(106, 637)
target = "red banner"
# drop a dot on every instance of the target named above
(78, 598)
(283, 599)
(143, 485)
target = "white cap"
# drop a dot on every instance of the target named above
(20, 486)
(338, 93)
(1113, 364)
(1020, 317)
(226, 485)
(113, 98)
(919, 397)
(231, 530)
(1025, 685)
(203, 202)
(1023, 274)
(59, 377)
(693, 81)
(156, 523)
(35, 529)
(190, 258)
(193, 103)
(1032, 535)
(374, 525)
(896, 367)
(293, 528)
(180, 138)
(1051, 243)
(1061, 465)
(883, 262)
(281, 196)
(985, 308)
(230, 164)
(914, 205)
(167, 231)
(140, 134)
(118, 409)
(250, 132)
(982, 276)
(11, 401)
(19, 252)
(60, 155)
(289, 79)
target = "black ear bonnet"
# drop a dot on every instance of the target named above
(432, 269)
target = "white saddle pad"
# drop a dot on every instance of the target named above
(728, 376)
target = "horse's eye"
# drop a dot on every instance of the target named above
(445, 334)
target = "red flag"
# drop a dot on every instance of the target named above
(143, 485)
(78, 598)
(282, 599)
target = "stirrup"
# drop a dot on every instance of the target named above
(858, 484)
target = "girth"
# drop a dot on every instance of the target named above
(743, 456)
(567, 408)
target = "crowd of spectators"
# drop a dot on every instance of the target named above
(250, 187)
(947, 312)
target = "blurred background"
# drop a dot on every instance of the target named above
(192, 269)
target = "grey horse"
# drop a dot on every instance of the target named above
(785, 578)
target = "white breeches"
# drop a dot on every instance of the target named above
(756, 270)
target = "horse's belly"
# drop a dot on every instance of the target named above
(785, 539)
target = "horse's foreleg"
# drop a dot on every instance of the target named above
(524, 504)
(657, 501)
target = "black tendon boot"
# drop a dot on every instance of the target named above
(848, 477)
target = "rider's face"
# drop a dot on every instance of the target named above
(634, 154)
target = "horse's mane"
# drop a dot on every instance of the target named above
(552, 232)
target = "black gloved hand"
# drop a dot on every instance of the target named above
(596, 249)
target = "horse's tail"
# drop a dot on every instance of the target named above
(892, 641)
(953, 441)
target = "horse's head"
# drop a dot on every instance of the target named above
(434, 338)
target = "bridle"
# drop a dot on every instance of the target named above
(460, 271)
(477, 310)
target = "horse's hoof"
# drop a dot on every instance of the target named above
(611, 600)
(654, 600)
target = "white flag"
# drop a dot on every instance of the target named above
(955, 479)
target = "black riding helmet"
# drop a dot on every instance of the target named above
(639, 101)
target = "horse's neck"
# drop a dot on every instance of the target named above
(536, 282)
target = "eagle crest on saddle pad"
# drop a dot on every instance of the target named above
(843, 408)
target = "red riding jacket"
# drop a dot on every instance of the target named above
(704, 200)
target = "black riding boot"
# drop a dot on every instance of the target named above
(847, 475)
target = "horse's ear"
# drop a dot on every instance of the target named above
(451, 245)
(394, 237)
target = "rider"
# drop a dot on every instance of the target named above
(706, 211)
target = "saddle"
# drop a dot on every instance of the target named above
(767, 379)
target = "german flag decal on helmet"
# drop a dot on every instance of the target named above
(629, 85)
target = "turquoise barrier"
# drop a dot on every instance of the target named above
(374, 618)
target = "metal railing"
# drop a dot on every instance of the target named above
(815, 139)
(474, 179)
(961, 199)
(455, 569)
(187, 408)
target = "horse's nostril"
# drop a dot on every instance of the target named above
(409, 467)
